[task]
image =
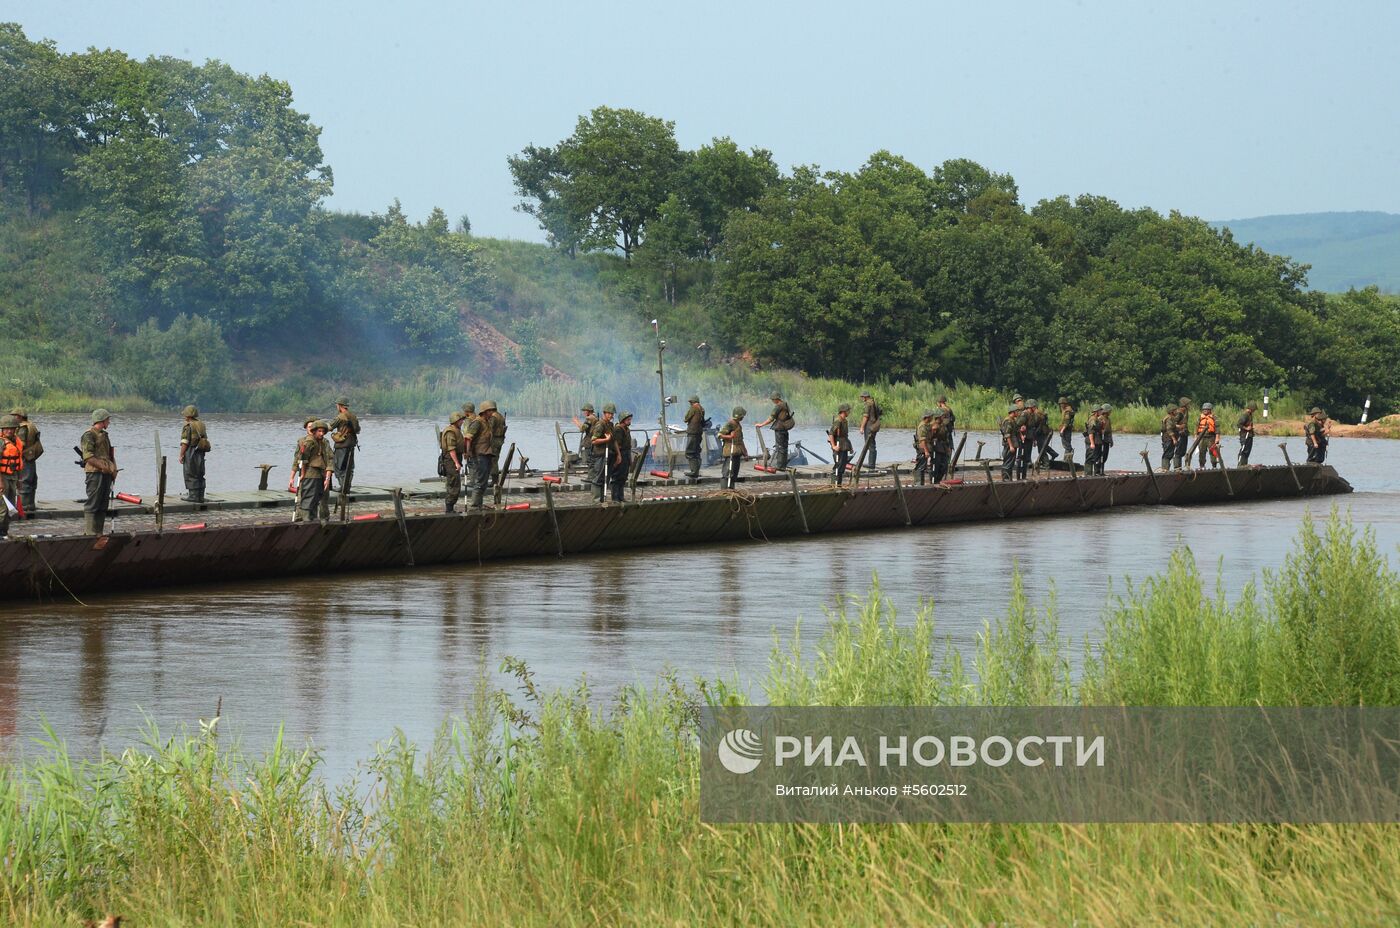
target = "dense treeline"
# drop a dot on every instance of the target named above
(897, 272)
(163, 236)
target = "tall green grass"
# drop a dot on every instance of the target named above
(543, 809)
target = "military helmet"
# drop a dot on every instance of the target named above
(586, 407)
(321, 424)
(1011, 408)
(342, 401)
(942, 398)
(488, 406)
(190, 412)
(1035, 404)
(9, 422)
(739, 412)
(308, 420)
(1184, 401)
(609, 407)
(1315, 410)
(626, 414)
(456, 417)
(100, 415)
(928, 414)
(1098, 407)
(776, 396)
(1063, 401)
(1250, 405)
(865, 394)
(20, 411)
(469, 408)
(844, 407)
(1106, 408)
(1018, 398)
(1205, 407)
(693, 398)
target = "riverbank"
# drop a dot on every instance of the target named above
(580, 816)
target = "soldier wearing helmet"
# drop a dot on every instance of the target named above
(1245, 424)
(345, 437)
(1315, 435)
(99, 469)
(731, 438)
(694, 437)
(480, 458)
(1208, 437)
(1066, 427)
(600, 437)
(314, 459)
(11, 464)
(585, 446)
(1010, 429)
(28, 434)
(839, 438)
(194, 444)
(1106, 434)
(781, 421)
(1182, 431)
(923, 447)
(622, 450)
(870, 418)
(451, 451)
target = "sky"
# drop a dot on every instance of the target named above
(1224, 110)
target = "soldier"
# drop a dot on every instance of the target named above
(839, 438)
(498, 441)
(1182, 429)
(694, 437)
(1106, 415)
(1315, 434)
(731, 437)
(1066, 425)
(782, 422)
(945, 412)
(923, 447)
(99, 469)
(1168, 436)
(11, 465)
(452, 446)
(1092, 443)
(345, 435)
(315, 460)
(1032, 427)
(622, 445)
(28, 434)
(1208, 440)
(1245, 423)
(869, 426)
(585, 445)
(194, 444)
(601, 439)
(478, 440)
(1010, 432)
(941, 443)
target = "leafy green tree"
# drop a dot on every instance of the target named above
(1355, 355)
(188, 362)
(600, 187)
(719, 178)
(674, 237)
(39, 113)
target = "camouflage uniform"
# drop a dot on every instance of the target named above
(941, 441)
(781, 421)
(450, 443)
(923, 448)
(477, 437)
(622, 455)
(839, 438)
(731, 437)
(1097, 440)
(316, 457)
(1245, 424)
(100, 469)
(345, 436)
(1106, 430)
(28, 434)
(1066, 425)
(1183, 412)
(694, 437)
(194, 444)
(601, 439)
(1315, 434)
(1168, 437)
(1010, 429)
(870, 426)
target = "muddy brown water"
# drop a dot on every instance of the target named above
(345, 660)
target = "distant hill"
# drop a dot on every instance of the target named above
(1345, 249)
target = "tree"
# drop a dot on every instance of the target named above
(675, 236)
(1355, 356)
(600, 187)
(719, 178)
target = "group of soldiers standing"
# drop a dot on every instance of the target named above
(316, 459)
(606, 451)
(470, 446)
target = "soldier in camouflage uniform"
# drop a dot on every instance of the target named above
(1092, 445)
(1097, 446)
(869, 426)
(1066, 425)
(585, 445)
(694, 437)
(945, 412)
(452, 448)
(1208, 440)
(11, 465)
(194, 444)
(1168, 437)
(1106, 429)
(1032, 430)
(622, 455)
(477, 438)
(839, 438)
(1245, 424)
(731, 438)
(315, 457)
(923, 447)
(1010, 428)
(28, 434)
(941, 442)
(345, 436)
(1315, 435)
(99, 469)
(1182, 429)
(781, 421)
(498, 441)
(600, 437)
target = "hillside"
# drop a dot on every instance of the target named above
(1345, 250)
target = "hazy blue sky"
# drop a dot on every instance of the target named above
(1223, 110)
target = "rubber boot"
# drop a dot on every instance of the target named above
(449, 507)
(478, 498)
(90, 524)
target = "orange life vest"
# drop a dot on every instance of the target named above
(12, 457)
(1207, 424)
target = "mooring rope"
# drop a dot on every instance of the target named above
(29, 540)
(745, 502)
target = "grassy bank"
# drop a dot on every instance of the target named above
(543, 810)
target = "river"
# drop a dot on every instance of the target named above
(343, 661)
